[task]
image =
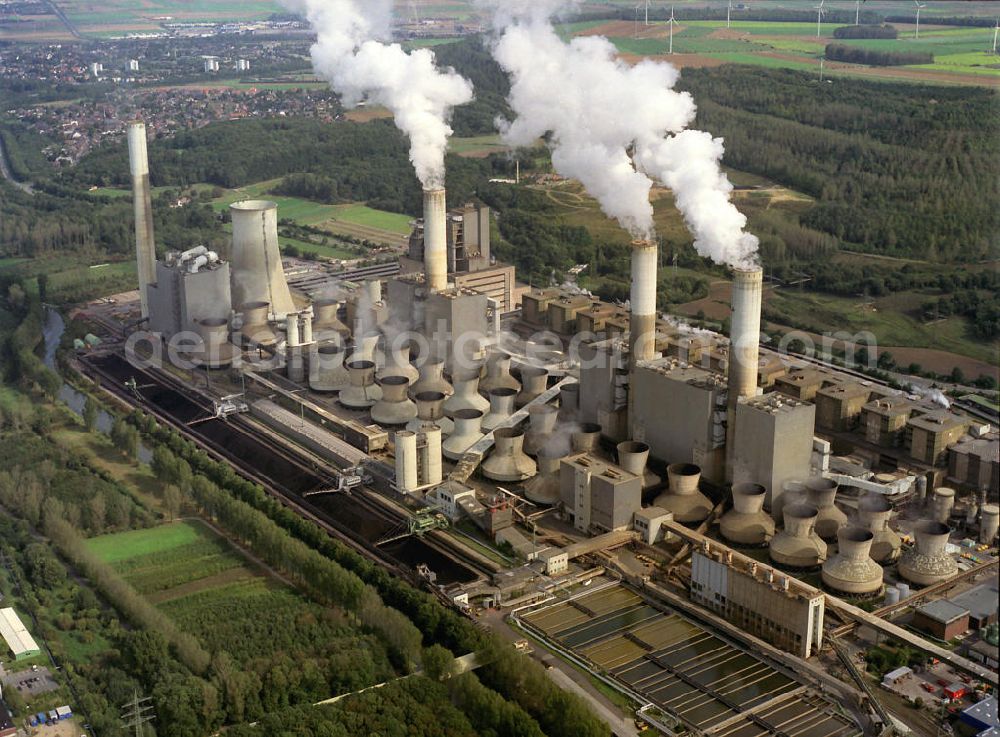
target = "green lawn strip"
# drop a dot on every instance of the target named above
(124, 545)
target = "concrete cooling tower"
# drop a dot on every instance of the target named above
(257, 274)
(798, 545)
(508, 462)
(851, 570)
(747, 523)
(874, 512)
(928, 561)
(683, 497)
(822, 493)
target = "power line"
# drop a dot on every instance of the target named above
(138, 712)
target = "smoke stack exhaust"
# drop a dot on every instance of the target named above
(142, 198)
(744, 347)
(435, 240)
(642, 321)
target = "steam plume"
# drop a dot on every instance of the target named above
(596, 109)
(351, 55)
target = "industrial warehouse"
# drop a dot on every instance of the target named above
(736, 511)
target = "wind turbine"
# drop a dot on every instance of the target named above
(647, 12)
(819, 16)
(857, 11)
(916, 33)
(996, 30)
(671, 22)
(729, 10)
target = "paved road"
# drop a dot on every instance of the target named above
(8, 175)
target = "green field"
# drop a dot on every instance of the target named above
(370, 218)
(124, 546)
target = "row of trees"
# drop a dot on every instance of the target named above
(876, 57)
(866, 31)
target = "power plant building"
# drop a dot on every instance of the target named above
(599, 495)
(975, 463)
(838, 407)
(189, 287)
(774, 444)
(884, 420)
(759, 600)
(931, 433)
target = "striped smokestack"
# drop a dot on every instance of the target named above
(744, 346)
(145, 247)
(435, 240)
(642, 321)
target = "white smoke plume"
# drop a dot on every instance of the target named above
(596, 108)
(353, 54)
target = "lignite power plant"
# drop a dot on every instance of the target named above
(426, 390)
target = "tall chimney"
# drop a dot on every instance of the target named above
(642, 321)
(435, 240)
(744, 347)
(145, 247)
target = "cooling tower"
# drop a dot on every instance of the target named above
(431, 379)
(534, 381)
(587, 438)
(467, 433)
(744, 347)
(498, 373)
(435, 240)
(683, 496)
(215, 350)
(501, 407)
(569, 402)
(255, 328)
(395, 407)
(327, 372)
(822, 493)
(466, 395)
(397, 363)
(942, 502)
(327, 324)
(363, 393)
(797, 545)
(406, 462)
(633, 456)
(430, 411)
(928, 561)
(746, 523)
(508, 462)
(851, 570)
(874, 513)
(542, 420)
(642, 318)
(989, 522)
(257, 274)
(544, 488)
(142, 201)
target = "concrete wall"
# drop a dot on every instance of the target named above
(615, 497)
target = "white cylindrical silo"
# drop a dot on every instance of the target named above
(307, 326)
(142, 203)
(435, 240)
(292, 338)
(942, 503)
(406, 461)
(256, 271)
(433, 469)
(744, 346)
(642, 318)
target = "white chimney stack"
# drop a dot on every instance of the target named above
(642, 321)
(744, 346)
(142, 199)
(435, 240)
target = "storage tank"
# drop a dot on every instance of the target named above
(874, 513)
(683, 497)
(215, 350)
(534, 381)
(431, 379)
(633, 456)
(255, 328)
(989, 522)
(406, 461)
(942, 503)
(851, 570)
(928, 561)
(430, 410)
(327, 372)
(797, 545)
(746, 523)
(904, 590)
(891, 595)
(466, 394)
(256, 271)
(433, 471)
(822, 493)
(508, 462)
(542, 420)
(467, 433)
(327, 324)
(394, 407)
(362, 393)
(498, 374)
(501, 407)
(544, 488)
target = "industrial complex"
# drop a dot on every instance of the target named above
(714, 529)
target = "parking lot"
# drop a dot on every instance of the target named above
(929, 685)
(29, 683)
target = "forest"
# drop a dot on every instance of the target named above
(876, 57)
